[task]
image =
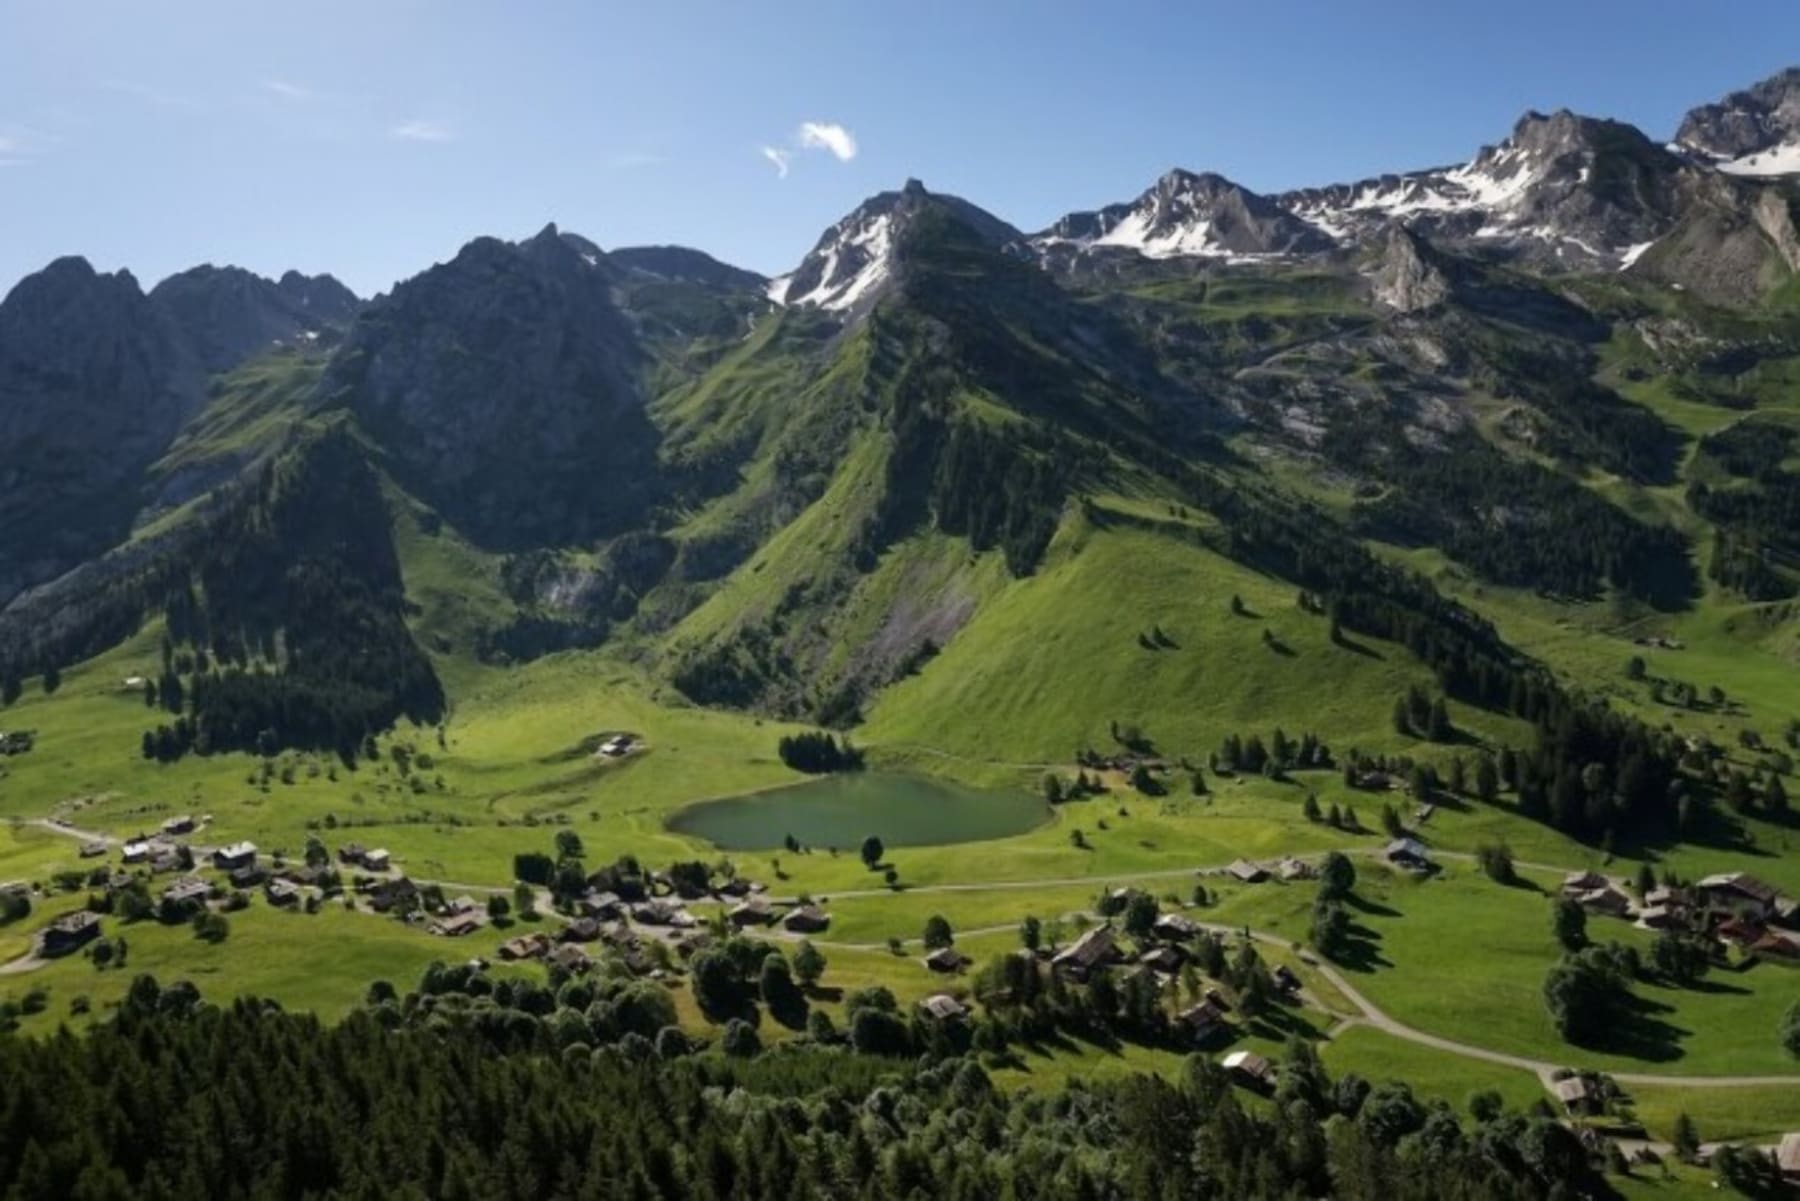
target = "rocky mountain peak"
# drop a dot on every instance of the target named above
(856, 260)
(503, 386)
(95, 378)
(1752, 132)
(229, 314)
(1187, 214)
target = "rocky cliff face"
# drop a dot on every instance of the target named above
(95, 379)
(503, 387)
(1188, 215)
(1408, 278)
(229, 314)
(857, 260)
(1752, 132)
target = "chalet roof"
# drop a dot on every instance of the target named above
(1247, 871)
(1740, 882)
(525, 946)
(1604, 897)
(188, 888)
(1249, 1063)
(1095, 947)
(572, 957)
(943, 1006)
(1787, 1154)
(237, 850)
(1206, 1013)
(1778, 942)
(1166, 958)
(1406, 848)
(582, 929)
(76, 922)
(1291, 868)
(1583, 881)
(945, 959)
(1571, 1090)
(1176, 924)
(807, 917)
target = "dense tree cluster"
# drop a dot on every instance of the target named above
(296, 613)
(385, 1106)
(817, 752)
(1757, 552)
(1282, 753)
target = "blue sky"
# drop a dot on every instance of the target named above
(373, 138)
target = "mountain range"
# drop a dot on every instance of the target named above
(794, 494)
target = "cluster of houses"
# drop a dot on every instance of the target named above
(1732, 908)
(1288, 869)
(1100, 949)
(353, 854)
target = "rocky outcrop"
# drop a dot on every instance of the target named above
(858, 259)
(503, 388)
(95, 379)
(1189, 215)
(1407, 279)
(1756, 120)
(230, 315)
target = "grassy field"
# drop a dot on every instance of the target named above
(1463, 957)
(322, 962)
(1044, 666)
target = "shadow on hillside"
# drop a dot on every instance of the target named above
(1362, 904)
(1717, 988)
(1361, 951)
(1358, 648)
(1279, 1023)
(1640, 1032)
(1526, 884)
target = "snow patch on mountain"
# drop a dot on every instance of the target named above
(1778, 160)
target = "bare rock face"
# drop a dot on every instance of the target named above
(503, 386)
(1408, 280)
(857, 261)
(231, 315)
(95, 379)
(1753, 121)
(1188, 214)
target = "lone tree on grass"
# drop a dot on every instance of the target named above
(1568, 921)
(871, 851)
(1337, 876)
(1790, 1030)
(809, 964)
(937, 932)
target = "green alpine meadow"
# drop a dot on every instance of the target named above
(1231, 694)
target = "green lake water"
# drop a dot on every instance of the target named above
(841, 810)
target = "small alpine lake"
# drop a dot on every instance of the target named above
(841, 810)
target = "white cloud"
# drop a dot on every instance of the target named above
(288, 91)
(422, 130)
(779, 158)
(828, 135)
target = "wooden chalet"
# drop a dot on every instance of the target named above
(69, 933)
